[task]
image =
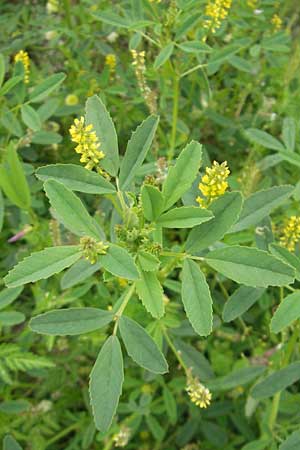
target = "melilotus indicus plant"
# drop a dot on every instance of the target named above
(201, 211)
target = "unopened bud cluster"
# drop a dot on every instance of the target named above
(92, 249)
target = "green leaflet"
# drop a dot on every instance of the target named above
(170, 405)
(106, 382)
(136, 151)
(119, 262)
(163, 55)
(147, 261)
(46, 87)
(70, 210)
(30, 118)
(141, 347)
(196, 298)
(264, 139)
(78, 273)
(195, 47)
(249, 266)
(236, 378)
(195, 359)
(151, 293)
(289, 133)
(181, 176)
(258, 444)
(240, 301)
(10, 318)
(76, 178)
(287, 312)
(9, 295)
(292, 442)
(42, 265)
(152, 202)
(277, 381)
(260, 204)
(13, 180)
(289, 258)
(226, 210)
(9, 443)
(71, 321)
(184, 217)
(98, 116)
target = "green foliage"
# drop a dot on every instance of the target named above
(176, 306)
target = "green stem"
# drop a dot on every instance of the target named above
(175, 351)
(199, 66)
(123, 306)
(67, 9)
(174, 117)
(63, 433)
(276, 400)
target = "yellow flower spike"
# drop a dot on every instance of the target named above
(213, 183)
(121, 438)
(198, 393)
(291, 233)
(111, 62)
(24, 58)
(276, 22)
(216, 11)
(87, 144)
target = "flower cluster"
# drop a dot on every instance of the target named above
(198, 393)
(111, 62)
(122, 437)
(52, 6)
(213, 183)
(140, 69)
(24, 58)
(71, 100)
(291, 233)
(276, 22)
(216, 11)
(91, 248)
(87, 144)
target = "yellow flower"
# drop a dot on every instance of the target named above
(91, 248)
(291, 233)
(216, 11)
(71, 100)
(198, 393)
(111, 62)
(213, 183)
(276, 22)
(121, 439)
(87, 144)
(24, 58)
(122, 282)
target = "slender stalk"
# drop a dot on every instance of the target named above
(174, 117)
(175, 351)
(288, 354)
(123, 306)
(63, 433)
(199, 66)
(67, 9)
